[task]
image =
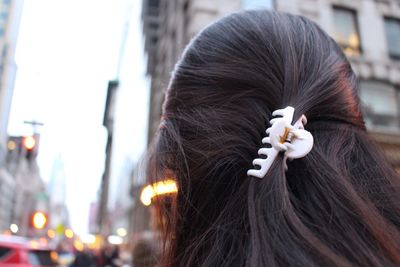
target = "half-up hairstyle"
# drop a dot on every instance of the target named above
(338, 206)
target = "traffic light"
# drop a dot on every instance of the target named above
(22, 147)
(30, 144)
(39, 220)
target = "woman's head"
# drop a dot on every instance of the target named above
(327, 208)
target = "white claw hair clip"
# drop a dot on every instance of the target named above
(283, 136)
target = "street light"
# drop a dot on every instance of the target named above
(88, 239)
(122, 232)
(115, 240)
(51, 233)
(14, 228)
(69, 233)
(30, 145)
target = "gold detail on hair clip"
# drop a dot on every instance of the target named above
(285, 135)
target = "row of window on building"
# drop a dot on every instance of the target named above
(380, 99)
(347, 32)
(4, 10)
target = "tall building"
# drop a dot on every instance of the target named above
(25, 191)
(10, 14)
(56, 190)
(367, 30)
(103, 219)
(168, 26)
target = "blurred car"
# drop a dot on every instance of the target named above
(20, 252)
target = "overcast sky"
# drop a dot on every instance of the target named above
(67, 52)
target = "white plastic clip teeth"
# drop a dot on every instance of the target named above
(293, 139)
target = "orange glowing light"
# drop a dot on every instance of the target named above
(11, 145)
(29, 142)
(69, 233)
(43, 241)
(78, 245)
(51, 233)
(34, 244)
(39, 220)
(156, 189)
(54, 256)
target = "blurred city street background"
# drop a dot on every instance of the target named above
(81, 88)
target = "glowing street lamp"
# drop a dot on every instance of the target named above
(51, 233)
(122, 232)
(115, 240)
(14, 228)
(69, 233)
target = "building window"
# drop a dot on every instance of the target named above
(5, 50)
(392, 28)
(346, 31)
(154, 3)
(3, 15)
(380, 104)
(254, 4)
(153, 25)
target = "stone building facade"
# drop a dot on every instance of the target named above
(10, 16)
(168, 27)
(369, 33)
(367, 30)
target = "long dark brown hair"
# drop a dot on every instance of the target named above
(338, 206)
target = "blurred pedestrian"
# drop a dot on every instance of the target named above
(146, 253)
(84, 259)
(111, 256)
(98, 257)
(320, 192)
